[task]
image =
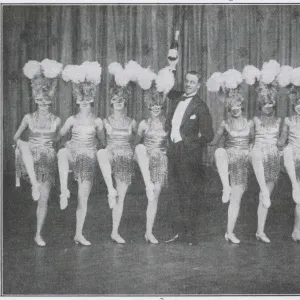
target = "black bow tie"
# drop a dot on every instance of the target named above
(186, 97)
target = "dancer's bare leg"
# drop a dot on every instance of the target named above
(222, 166)
(117, 211)
(151, 214)
(84, 190)
(105, 167)
(63, 169)
(233, 211)
(262, 215)
(41, 212)
(290, 168)
(257, 163)
(143, 162)
(29, 165)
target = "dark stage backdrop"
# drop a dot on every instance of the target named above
(213, 38)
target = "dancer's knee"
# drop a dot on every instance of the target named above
(220, 153)
(255, 154)
(140, 149)
(101, 154)
(62, 153)
(287, 154)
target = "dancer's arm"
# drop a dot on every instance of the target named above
(284, 134)
(100, 132)
(140, 133)
(251, 135)
(57, 126)
(21, 128)
(218, 135)
(66, 127)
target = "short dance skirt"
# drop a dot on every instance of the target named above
(121, 160)
(82, 160)
(238, 166)
(271, 161)
(45, 163)
(158, 166)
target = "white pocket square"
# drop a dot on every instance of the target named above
(193, 117)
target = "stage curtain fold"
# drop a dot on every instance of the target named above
(213, 38)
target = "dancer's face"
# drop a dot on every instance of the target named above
(118, 103)
(191, 84)
(236, 111)
(84, 104)
(297, 109)
(43, 106)
(155, 110)
(268, 108)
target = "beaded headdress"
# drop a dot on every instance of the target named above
(228, 87)
(85, 78)
(265, 81)
(43, 76)
(156, 86)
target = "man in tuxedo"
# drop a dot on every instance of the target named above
(190, 126)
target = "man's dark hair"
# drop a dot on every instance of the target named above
(194, 73)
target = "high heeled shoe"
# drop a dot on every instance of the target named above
(112, 198)
(226, 194)
(296, 236)
(262, 237)
(63, 202)
(35, 192)
(39, 241)
(150, 238)
(232, 238)
(117, 238)
(81, 240)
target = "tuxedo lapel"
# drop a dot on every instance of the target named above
(189, 110)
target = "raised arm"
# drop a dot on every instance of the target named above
(21, 128)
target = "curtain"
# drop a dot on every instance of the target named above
(212, 38)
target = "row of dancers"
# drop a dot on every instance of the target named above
(259, 141)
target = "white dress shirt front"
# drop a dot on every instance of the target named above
(177, 118)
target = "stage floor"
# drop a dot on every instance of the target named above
(212, 267)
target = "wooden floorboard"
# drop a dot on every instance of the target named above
(106, 268)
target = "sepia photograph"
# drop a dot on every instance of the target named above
(150, 149)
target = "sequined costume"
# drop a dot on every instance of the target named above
(237, 147)
(293, 124)
(82, 150)
(155, 141)
(119, 150)
(41, 134)
(267, 130)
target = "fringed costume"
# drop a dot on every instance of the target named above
(267, 130)
(237, 147)
(41, 135)
(118, 147)
(82, 150)
(293, 124)
(155, 141)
